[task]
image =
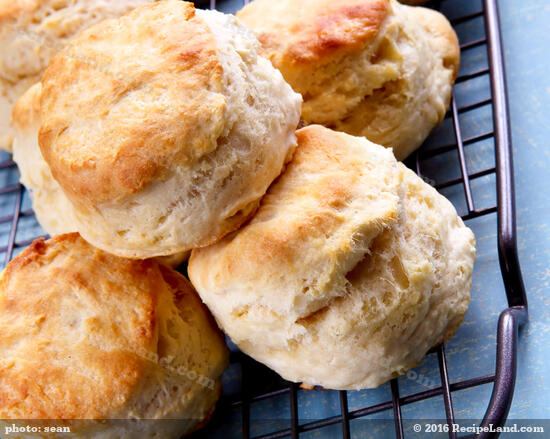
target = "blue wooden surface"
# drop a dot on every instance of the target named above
(471, 353)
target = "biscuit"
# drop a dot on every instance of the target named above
(350, 271)
(31, 33)
(164, 128)
(86, 335)
(372, 68)
(53, 210)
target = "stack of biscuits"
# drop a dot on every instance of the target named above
(171, 131)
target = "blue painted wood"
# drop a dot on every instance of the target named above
(471, 353)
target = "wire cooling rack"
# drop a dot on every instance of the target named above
(473, 142)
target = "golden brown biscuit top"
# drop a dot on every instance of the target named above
(308, 30)
(129, 99)
(318, 185)
(74, 324)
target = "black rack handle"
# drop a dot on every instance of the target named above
(507, 241)
(506, 368)
(511, 318)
